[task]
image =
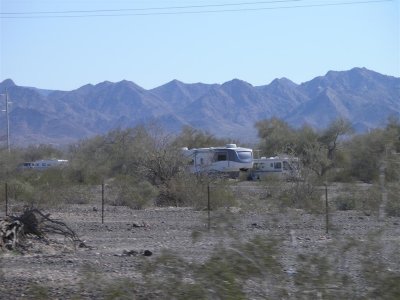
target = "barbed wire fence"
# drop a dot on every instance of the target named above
(380, 198)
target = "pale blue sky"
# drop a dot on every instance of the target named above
(256, 45)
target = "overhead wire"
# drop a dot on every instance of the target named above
(93, 13)
(152, 8)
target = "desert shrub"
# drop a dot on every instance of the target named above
(346, 197)
(184, 189)
(365, 156)
(342, 175)
(303, 194)
(191, 190)
(50, 187)
(221, 195)
(368, 198)
(226, 274)
(37, 152)
(51, 177)
(370, 150)
(9, 162)
(122, 289)
(18, 189)
(345, 203)
(330, 274)
(35, 188)
(91, 282)
(306, 195)
(362, 197)
(392, 171)
(393, 204)
(56, 196)
(77, 194)
(229, 269)
(381, 279)
(195, 138)
(167, 277)
(276, 136)
(256, 268)
(132, 192)
(317, 278)
(37, 291)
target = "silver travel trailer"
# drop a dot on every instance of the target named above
(281, 166)
(44, 164)
(229, 159)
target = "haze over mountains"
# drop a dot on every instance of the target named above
(231, 109)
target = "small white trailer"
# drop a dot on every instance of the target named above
(281, 166)
(44, 164)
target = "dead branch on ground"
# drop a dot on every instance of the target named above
(33, 222)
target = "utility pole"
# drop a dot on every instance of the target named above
(8, 122)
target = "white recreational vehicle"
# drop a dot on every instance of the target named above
(228, 159)
(282, 166)
(44, 164)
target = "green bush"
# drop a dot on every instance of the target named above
(302, 194)
(191, 190)
(18, 190)
(393, 205)
(224, 275)
(183, 190)
(345, 203)
(132, 192)
(366, 198)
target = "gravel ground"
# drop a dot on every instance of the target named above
(60, 269)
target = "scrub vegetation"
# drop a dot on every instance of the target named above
(142, 168)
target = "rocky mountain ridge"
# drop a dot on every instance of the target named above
(230, 109)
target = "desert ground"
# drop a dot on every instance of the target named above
(333, 265)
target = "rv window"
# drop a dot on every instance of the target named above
(221, 156)
(245, 156)
(278, 165)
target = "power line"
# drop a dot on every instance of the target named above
(148, 8)
(85, 15)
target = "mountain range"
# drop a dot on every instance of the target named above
(227, 110)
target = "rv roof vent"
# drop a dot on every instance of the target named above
(231, 146)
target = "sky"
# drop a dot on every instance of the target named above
(65, 44)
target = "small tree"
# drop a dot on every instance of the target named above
(276, 136)
(320, 155)
(195, 138)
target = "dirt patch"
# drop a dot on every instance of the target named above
(118, 246)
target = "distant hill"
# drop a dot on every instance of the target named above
(231, 109)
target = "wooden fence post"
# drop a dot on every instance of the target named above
(102, 203)
(208, 206)
(6, 194)
(326, 209)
